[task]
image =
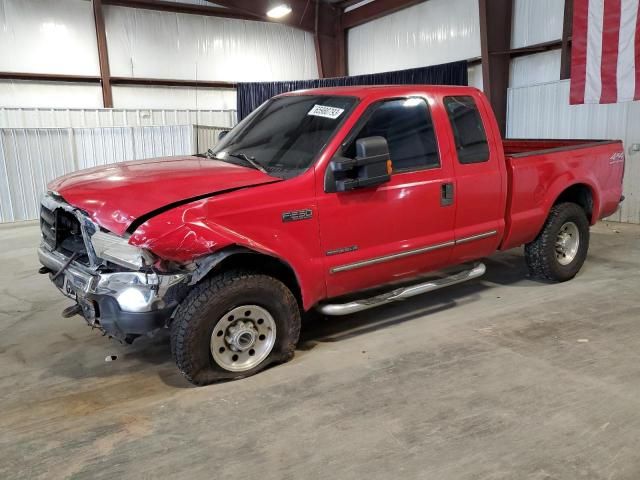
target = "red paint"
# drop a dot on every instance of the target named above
(510, 195)
(610, 41)
(579, 51)
(117, 194)
(537, 179)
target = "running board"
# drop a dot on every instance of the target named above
(402, 293)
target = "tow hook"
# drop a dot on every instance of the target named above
(71, 311)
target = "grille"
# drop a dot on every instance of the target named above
(48, 226)
(61, 231)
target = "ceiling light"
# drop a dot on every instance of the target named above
(279, 11)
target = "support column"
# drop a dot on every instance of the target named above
(567, 30)
(329, 41)
(495, 40)
(103, 55)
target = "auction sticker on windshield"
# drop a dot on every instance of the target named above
(326, 112)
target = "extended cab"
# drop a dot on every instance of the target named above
(338, 199)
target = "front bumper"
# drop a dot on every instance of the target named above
(122, 304)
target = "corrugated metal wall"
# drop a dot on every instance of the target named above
(31, 157)
(28, 159)
(111, 117)
(429, 33)
(45, 36)
(535, 69)
(543, 111)
(38, 145)
(538, 102)
(536, 21)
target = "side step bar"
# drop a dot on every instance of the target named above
(402, 293)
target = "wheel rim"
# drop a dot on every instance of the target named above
(243, 338)
(567, 243)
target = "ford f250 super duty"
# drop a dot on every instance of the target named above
(337, 199)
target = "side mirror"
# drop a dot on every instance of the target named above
(222, 134)
(372, 166)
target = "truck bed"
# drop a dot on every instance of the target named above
(539, 171)
(522, 147)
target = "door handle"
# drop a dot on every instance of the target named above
(446, 194)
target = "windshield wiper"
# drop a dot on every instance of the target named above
(250, 160)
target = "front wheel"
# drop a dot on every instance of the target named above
(560, 249)
(233, 325)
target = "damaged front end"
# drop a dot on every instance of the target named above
(117, 287)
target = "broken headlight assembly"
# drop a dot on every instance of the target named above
(138, 291)
(117, 250)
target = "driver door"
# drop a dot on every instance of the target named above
(397, 230)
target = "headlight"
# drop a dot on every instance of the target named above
(138, 291)
(117, 250)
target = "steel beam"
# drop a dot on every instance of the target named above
(49, 77)
(103, 55)
(495, 43)
(531, 49)
(167, 82)
(567, 32)
(164, 6)
(329, 48)
(374, 10)
(162, 82)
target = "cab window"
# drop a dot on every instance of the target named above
(468, 130)
(407, 126)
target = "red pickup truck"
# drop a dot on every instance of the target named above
(338, 199)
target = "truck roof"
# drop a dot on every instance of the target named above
(365, 91)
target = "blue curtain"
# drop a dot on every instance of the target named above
(252, 95)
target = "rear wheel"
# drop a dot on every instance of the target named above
(234, 325)
(560, 249)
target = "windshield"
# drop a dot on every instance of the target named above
(285, 134)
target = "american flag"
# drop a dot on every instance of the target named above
(605, 58)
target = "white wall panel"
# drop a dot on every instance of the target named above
(18, 93)
(102, 146)
(45, 36)
(433, 32)
(534, 69)
(206, 137)
(166, 141)
(543, 111)
(131, 96)
(31, 157)
(29, 94)
(536, 21)
(111, 117)
(475, 76)
(145, 43)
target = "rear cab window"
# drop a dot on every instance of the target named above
(407, 126)
(468, 129)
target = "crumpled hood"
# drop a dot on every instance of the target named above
(116, 195)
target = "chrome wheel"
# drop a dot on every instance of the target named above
(567, 243)
(243, 338)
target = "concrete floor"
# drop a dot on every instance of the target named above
(502, 378)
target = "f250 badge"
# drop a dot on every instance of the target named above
(296, 215)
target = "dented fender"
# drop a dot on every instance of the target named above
(204, 232)
(184, 234)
